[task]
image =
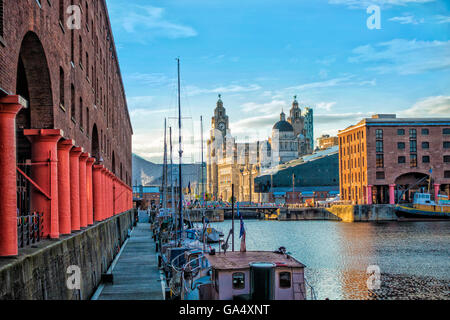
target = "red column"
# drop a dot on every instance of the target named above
(392, 194)
(105, 210)
(369, 194)
(437, 187)
(114, 195)
(89, 191)
(119, 196)
(122, 197)
(106, 173)
(110, 193)
(44, 156)
(65, 224)
(9, 107)
(83, 190)
(75, 187)
(97, 191)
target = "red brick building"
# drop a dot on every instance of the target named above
(63, 84)
(385, 159)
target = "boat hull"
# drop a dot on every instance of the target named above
(407, 212)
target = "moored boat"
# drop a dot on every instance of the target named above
(424, 208)
(252, 275)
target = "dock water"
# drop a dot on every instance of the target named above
(135, 273)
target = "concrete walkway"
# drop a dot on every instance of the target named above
(136, 274)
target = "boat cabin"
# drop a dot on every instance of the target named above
(423, 198)
(254, 275)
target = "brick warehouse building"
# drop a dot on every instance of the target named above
(384, 159)
(65, 131)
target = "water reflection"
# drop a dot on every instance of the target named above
(337, 254)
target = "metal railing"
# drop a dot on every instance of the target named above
(30, 224)
(29, 229)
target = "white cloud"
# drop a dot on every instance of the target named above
(146, 22)
(442, 19)
(363, 4)
(404, 56)
(265, 108)
(407, 19)
(321, 84)
(139, 102)
(348, 81)
(149, 79)
(194, 90)
(325, 105)
(437, 106)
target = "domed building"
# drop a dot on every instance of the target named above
(284, 142)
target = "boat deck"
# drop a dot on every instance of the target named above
(136, 274)
(241, 260)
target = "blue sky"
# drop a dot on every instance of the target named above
(259, 54)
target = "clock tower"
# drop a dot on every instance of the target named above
(219, 124)
(220, 119)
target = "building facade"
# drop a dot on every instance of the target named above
(61, 86)
(231, 163)
(326, 141)
(148, 196)
(385, 159)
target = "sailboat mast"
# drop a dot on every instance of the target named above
(164, 179)
(202, 183)
(172, 193)
(180, 152)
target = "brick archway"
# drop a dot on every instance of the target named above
(411, 182)
(34, 84)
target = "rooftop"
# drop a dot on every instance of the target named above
(304, 159)
(391, 119)
(241, 260)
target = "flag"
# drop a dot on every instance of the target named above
(242, 232)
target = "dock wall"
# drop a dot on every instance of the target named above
(196, 215)
(42, 272)
(307, 214)
(364, 213)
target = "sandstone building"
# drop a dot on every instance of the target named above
(231, 163)
(326, 141)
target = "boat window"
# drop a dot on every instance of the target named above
(216, 280)
(238, 280)
(285, 280)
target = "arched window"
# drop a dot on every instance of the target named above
(80, 41)
(87, 120)
(61, 11)
(87, 14)
(72, 103)
(61, 87)
(1, 18)
(81, 113)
